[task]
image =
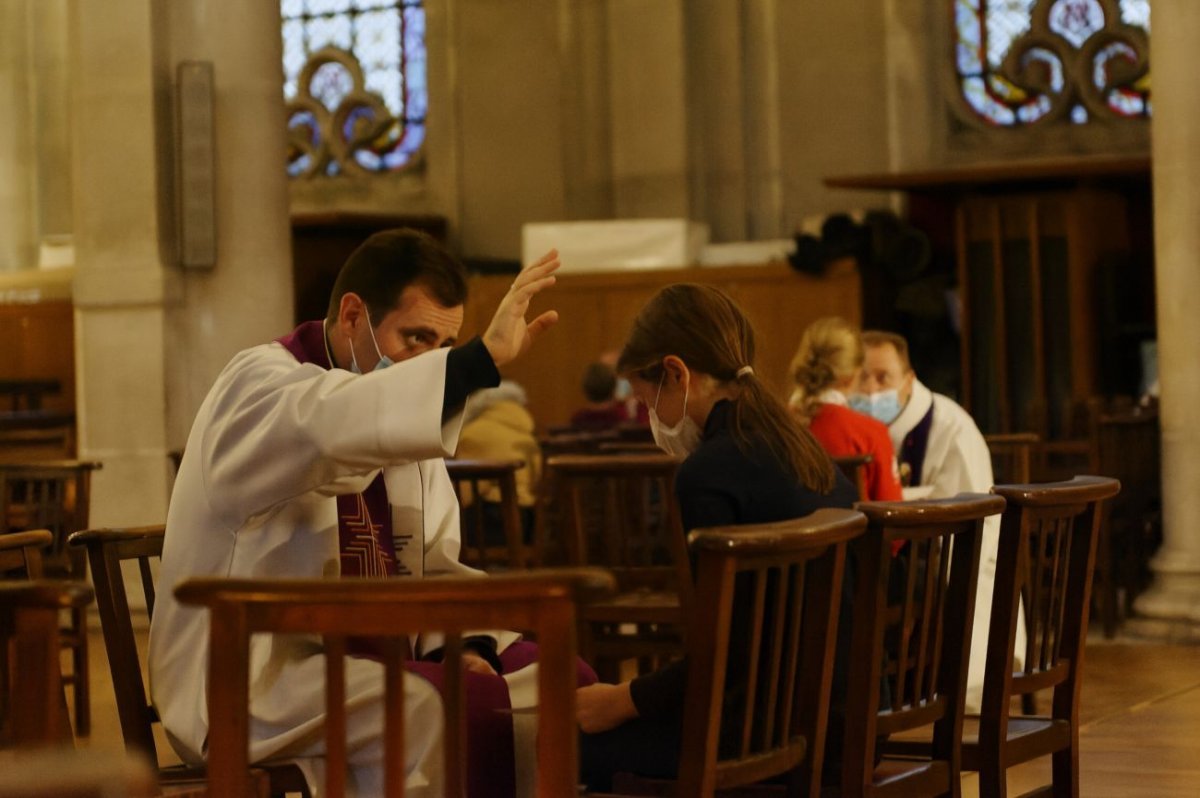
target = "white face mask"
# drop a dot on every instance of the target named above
(882, 405)
(679, 440)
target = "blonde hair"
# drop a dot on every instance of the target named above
(708, 331)
(830, 350)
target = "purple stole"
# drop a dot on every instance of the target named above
(364, 519)
(912, 450)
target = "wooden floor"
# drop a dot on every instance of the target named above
(1139, 738)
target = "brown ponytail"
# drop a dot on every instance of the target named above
(829, 350)
(706, 329)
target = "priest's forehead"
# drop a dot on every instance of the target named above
(418, 310)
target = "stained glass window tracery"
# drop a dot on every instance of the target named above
(355, 84)
(1021, 62)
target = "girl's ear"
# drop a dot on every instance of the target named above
(677, 370)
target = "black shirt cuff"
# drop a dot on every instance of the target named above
(659, 695)
(469, 368)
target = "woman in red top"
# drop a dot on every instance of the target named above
(824, 371)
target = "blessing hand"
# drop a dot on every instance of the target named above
(508, 336)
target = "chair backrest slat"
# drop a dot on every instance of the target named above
(53, 495)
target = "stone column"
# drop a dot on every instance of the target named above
(121, 276)
(18, 240)
(149, 337)
(1172, 606)
(647, 74)
(246, 298)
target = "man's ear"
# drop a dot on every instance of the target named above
(350, 311)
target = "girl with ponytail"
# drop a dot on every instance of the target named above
(746, 460)
(825, 370)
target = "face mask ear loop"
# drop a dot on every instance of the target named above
(658, 395)
(371, 329)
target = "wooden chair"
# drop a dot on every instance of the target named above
(32, 710)
(36, 435)
(854, 467)
(766, 609)
(619, 512)
(1127, 448)
(56, 495)
(21, 553)
(912, 651)
(1048, 540)
(544, 601)
(472, 479)
(1012, 456)
(106, 549)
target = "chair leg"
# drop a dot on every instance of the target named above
(79, 665)
(1065, 767)
(1029, 703)
(993, 782)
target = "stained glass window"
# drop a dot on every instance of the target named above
(1020, 62)
(355, 84)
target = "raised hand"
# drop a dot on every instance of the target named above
(508, 336)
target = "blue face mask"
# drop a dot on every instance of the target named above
(883, 406)
(384, 360)
(623, 390)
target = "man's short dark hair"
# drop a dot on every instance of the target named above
(390, 261)
(883, 338)
(599, 382)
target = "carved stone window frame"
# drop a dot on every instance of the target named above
(969, 137)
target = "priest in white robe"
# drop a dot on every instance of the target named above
(319, 455)
(941, 453)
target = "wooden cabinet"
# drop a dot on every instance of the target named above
(1028, 273)
(1054, 277)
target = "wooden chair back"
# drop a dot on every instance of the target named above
(21, 553)
(911, 637)
(105, 550)
(36, 435)
(32, 711)
(1048, 539)
(1012, 456)
(619, 512)
(854, 467)
(54, 495)
(766, 614)
(544, 602)
(472, 480)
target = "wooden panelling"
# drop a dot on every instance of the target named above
(596, 311)
(39, 344)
